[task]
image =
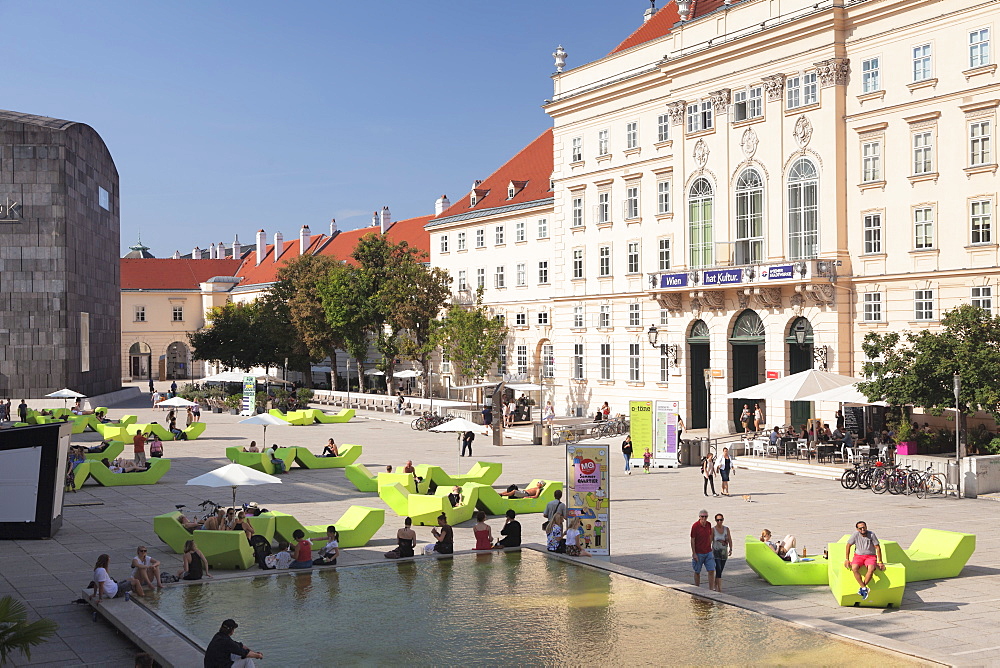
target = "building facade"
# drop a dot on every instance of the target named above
(59, 239)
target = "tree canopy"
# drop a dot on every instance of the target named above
(471, 338)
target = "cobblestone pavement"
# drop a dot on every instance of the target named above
(951, 620)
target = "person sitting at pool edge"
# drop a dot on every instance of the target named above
(330, 450)
(282, 558)
(511, 532)
(406, 540)
(146, 569)
(224, 652)
(303, 550)
(328, 553)
(445, 537)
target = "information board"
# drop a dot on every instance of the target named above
(665, 433)
(588, 495)
(249, 395)
(640, 427)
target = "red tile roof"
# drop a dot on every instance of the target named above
(170, 274)
(664, 20)
(532, 167)
(267, 271)
(410, 230)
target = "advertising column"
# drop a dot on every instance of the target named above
(640, 428)
(588, 496)
(249, 395)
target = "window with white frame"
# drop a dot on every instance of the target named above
(578, 361)
(748, 104)
(923, 305)
(522, 274)
(664, 317)
(520, 231)
(633, 362)
(923, 155)
(749, 245)
(605, 361)
(604, 316)
(543, 318)
(604, 261)
(604, 206)
(578, 316)
(631, 202)
(663, 254)
(602, 142)
(923, 228)
(873, 233)
(871, 75)
(872, 307)
(801, 90)
(634, 315)
(140, 313)
(543, 225)
(871, 161)
(982, 296)
(981, 221)
(480, 238)
(500, 277)
(521, 319)
(632, 135)
(663, 127)
(577, 211)
(922, 69)
(543, 272)
(445, 362)
(500, 235)
(481, 278)
(502, 359)
(979, 47)
(663, 197)
(500, 318)
(511, 191)
(522, 359)
(460, 241)
(980, 143)
(444, 243)
(803, 210)
(699, 116)
(700, 224)
(577, 151)
(632, 257)
(177, 313)
(577, 263)
(664, 365)
(548, 360)
(463, 284)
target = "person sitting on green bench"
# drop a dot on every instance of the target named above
(121, 466)
(513, 492)
(330, 450)
(328, 553)
(279, 464)
(252, 447)
(188, 524)
(455, 497)
(781, 547)
(101, 447)
(412, 471)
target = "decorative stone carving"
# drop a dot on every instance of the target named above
(720, 100)
(695, 306)
(714, 298)
(833, 72)
(560, 58)
(670, 301)
(700, 154)
(818, 293)
(749, 143)
(802, 132)
(797, 303)
(676, 112)
(743, 296)
(769, 297)
(774, 85)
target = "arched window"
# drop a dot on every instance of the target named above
(749, 217)
(748, 328)
(699, 332)
(139, 349)
(700, 202)
(803, 210)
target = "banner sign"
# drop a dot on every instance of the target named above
(781, 271)
(249, 395)
(673, 280)
(722, 277)
(665, 433)
(587, 495)
(640, 415)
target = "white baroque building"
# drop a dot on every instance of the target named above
(751, 185)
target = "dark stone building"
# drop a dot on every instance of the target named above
(60, 307)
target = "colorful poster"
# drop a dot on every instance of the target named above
(249, 395)
(587, 495)
(640, 427)
(665, 433)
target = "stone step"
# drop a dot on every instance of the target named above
(791, 467)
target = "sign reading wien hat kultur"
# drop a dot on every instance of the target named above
(10, 211)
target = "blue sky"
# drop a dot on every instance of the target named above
(227, 117)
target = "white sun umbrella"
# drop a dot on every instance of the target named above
(176, 402)
(65, 394)
(848, 394)
(457, 424)
(267, 420)
(407, 373)
(374, 372)
(797, 387)
(233, 475)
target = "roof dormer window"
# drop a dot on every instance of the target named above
(514, 187)
(477, 195)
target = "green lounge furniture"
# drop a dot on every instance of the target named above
(158, 467)
(194, 431)
(114, 449)
(885, 590)
(222, 549)
(114, 430)
(424, 509)
(490, 500)
(263, 526)
(348, 455)
(170, 531)
(932, 555)
(328, 418)
(81, 422)
(765, 562)
(260, 461)
(149, 428)
(356, 527)
(485, 473)
(363, 479)
(81, 473)
(292, 417)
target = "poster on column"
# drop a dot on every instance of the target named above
(640, 428)
(588, 495)
(249, 395)
(665, 433)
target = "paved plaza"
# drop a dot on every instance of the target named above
(950, 621)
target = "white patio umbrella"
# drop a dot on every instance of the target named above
(848, 394)
(233, 475)
(267, 420)
(797, 387)
(457, 424)
(65, 395)
(407, 373)
(374, 372)
(176, 402)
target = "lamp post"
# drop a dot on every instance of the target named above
(653, 335)
(957, 386)
(708, 403)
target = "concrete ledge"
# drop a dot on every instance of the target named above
(108, 399)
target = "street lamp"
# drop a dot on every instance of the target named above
(708, 404)
(653, 335)
(800, 334)
(957, 386)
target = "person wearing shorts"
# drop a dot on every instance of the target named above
(867, 553)
(701, 549)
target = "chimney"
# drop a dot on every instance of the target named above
(304, 237)
(177, 255)
(375, 219)
(261, 245)
(333, 226)
(652, 10)
(279, 245)
(237, 248)
(386, 219)
(196, 253)
(211, 252)
(441, 205)
(220, 251)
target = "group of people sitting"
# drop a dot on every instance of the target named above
(300, 554)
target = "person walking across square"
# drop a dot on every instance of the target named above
(701, 550)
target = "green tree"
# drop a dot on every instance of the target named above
(16, 633)
(471, 338)
(918, 367)
(345, 308)
(416, 295)
(247, 335)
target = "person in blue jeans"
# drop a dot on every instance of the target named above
(627, 453)
(701, 550)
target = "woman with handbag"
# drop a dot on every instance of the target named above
(726, 468)
(708, 473)
(722, 548)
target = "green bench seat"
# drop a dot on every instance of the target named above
(766, 563)
(348, 455)
(112, 452)
(260, 461)
(292, 417)
(222, 549)
(885, 590)
(364, 481)
(158, 467)
(356, 527)
(933, 554)
(484, 473)
(424, 509)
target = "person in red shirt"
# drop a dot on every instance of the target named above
(303, 551)
(701, 549)
(139, 443)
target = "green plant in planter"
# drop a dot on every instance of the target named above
(993, 447)
(904, 429)
(304, 395)
(214, 393)
(234, 401)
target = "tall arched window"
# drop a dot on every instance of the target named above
(749, 217)
(700, 243)
(803, 210)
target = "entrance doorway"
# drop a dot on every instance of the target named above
(178, 361)
(800, 358)
(747, 341)
(140, 359)
(698, 353)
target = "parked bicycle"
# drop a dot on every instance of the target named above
(428, 420)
